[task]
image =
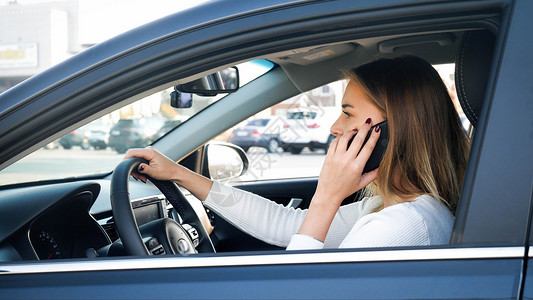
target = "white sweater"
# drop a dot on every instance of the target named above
(424, 221)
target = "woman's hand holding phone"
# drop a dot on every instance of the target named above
(379, 149)
(341, 175)
(345, 167)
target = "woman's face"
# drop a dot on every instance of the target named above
(356, 109)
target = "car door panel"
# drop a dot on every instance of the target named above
(227, 237)
(500, 142)
(413, 274)
(528, 281)
(283, 190)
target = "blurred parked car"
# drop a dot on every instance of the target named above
(52, 145)
(262, 132)
(308, 127)
(97, 134)
(94, 134)
(133, 132)
(168, 125)
(75, 138)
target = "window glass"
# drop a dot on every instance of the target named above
(290, 139)
(447, 73)
(99, 146)
(300, 127)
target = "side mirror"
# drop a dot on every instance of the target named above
(225, 161)
(223, 81)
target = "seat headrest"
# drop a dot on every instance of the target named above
(472, 67)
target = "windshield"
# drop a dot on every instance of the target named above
(99, 146)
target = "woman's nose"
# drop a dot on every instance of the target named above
(336, 128)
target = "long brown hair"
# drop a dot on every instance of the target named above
(428, 147)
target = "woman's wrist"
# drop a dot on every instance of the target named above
(177, 174)
(195, 183)
(327, 199)
(319, 217)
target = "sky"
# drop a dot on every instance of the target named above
(103, 19)
(121, 15)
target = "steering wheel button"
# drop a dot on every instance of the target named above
(152, 243)
(183, 246)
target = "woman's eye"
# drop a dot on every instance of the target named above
(347, 114)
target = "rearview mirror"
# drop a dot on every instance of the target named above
(223, 81)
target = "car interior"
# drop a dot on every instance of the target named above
(74, 218)
(472, 53)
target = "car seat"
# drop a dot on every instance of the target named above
(472, 69)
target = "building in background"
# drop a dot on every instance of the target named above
(45, 34)
(37, 34)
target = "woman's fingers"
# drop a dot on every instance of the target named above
(333, 146)
(147, 169)
(146, 153)
(343, 140)
(359, 138)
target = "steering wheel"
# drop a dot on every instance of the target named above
(163, 233)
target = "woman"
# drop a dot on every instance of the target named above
(410, 197)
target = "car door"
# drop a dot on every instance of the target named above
(518, 80)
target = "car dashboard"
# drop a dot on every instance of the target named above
(67, 220)
(67, 230)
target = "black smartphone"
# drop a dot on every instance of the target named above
(381, 145)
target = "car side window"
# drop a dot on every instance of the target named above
(290, 139)
(97, 147)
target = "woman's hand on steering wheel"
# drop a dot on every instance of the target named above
(159, 166)
(168, 232)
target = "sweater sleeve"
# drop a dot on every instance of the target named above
(276, 224)
(259, 217)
